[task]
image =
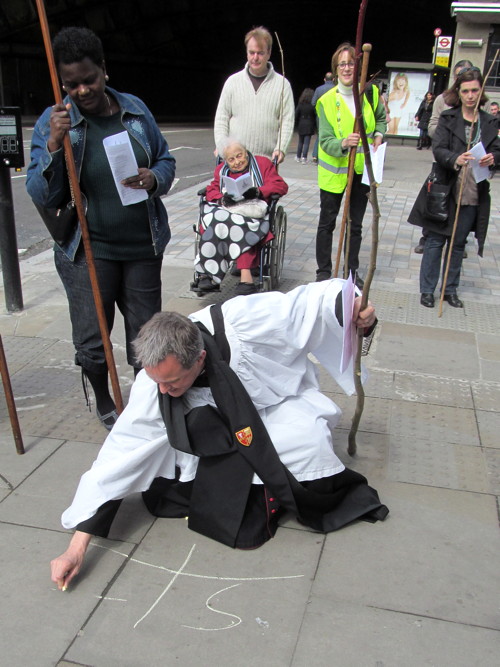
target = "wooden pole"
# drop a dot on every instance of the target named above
(75, 185)
(11, 405)
(360, 392)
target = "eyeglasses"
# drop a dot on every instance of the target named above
(345, 65)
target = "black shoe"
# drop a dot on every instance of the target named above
(207, 285)
(465, 254)
(453, 300)
(427, 300)
(108, 420)
(359, 282)
(243, 289)
(323, 275)
(419, 249)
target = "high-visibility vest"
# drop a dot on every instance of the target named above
(332, 171)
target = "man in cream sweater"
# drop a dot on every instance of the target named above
(256, 104)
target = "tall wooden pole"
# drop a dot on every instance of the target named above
(9, 398)
(75, 185)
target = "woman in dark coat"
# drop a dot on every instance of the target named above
(450, 151)
(423, 116)
(305, 122)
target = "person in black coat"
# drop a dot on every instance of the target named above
(449, 146)
(423, 116)
(305, 122)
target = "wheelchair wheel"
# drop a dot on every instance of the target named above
(277, 248)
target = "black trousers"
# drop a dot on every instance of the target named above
(330, 203)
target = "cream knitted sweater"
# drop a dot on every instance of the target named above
(253, 118)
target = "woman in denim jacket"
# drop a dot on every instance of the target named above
(127, 241)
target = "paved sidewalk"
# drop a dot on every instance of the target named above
(422, 588)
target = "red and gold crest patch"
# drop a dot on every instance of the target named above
(245, 436)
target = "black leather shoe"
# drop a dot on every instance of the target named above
(323, 275)
(427, 300)
(419, 249)
(453, 300)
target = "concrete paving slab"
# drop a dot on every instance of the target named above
(489, 428)
(206, 599)
(493, 464)
(37, 501)
(450, 571)
(336, 632)
(39, 622)
(490, 370)
(446, 353)
(434, 423)
(15, 468)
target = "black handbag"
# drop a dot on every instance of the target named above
(60, 222)
(437, 197)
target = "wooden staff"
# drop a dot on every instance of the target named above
(282, 98)
(75, 185)
(9, 397)
(461, 190)
(360, 393)
(350, 167)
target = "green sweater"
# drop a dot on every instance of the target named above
(117, 232)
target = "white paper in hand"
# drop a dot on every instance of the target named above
(378, 158)
(236, 186)
(123, 164)
(479, 173)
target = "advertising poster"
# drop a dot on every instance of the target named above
(405, 92)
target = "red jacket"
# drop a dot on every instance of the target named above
(272, 183)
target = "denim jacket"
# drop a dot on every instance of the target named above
(47, 181)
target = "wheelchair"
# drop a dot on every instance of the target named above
(272, 253)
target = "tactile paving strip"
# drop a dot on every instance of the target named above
(406, 309)
(375, 417)
(486, 395)
(432, 462)
(422, 388)
(434, 423)
(49, 397)
(20, 350)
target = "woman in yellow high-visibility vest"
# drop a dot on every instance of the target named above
(336, 114)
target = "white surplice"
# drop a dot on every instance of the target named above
(272, 337)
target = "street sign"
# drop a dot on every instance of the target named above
(443, 51)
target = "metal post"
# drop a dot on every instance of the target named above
(8, 245)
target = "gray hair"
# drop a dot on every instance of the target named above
(168, 333)
(227, 142)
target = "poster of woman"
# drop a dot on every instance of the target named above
(406, 91)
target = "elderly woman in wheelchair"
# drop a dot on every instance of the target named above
(234, 221)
